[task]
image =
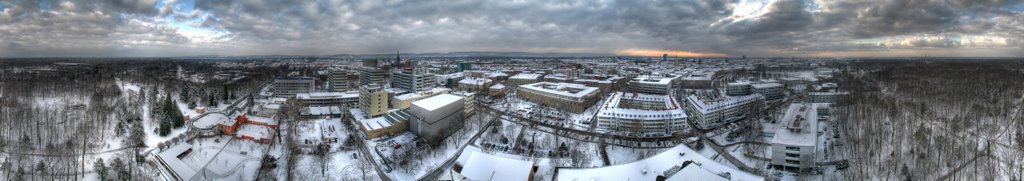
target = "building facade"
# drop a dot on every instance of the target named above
(740, 88)
(794, 145)
(370, 75)
(373, 100)
(413, 80)
(403, 101)
(771, 91)
(289, 86)
(565, 96)
(436, 118)
(338, 80)
(652, 85)
(642, 113)
(709, 113)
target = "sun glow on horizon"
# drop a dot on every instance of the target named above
(673, 53)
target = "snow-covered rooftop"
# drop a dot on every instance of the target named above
(435, 90)
(613, 108)
(765, 85)
(706, 106)
(437, 101)
(525, 76)
(482, 166)
(564, 89)
(647, 79)
(799, 126)
(498, 86)
(698, 76)
(475, 81)
(661, 164)
(170, 157)
(326, 95)
(211, 120)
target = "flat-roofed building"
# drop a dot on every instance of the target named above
(413, 79)
(392, 123)
(470, 101)
(403, 101)
(794, 144)
(287, 87)
(713, 112)
(772, 91)
(373, 100)
(436, 118)
(475, 84)
(565, 96)
(370, 75)
(827, 97)
(344, 99)
(483, 166)
(698, 80)
(738, 88)
(338, 80)
(676, 163)
(652, 84)
(642, 113)
(523, 78)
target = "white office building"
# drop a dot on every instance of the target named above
(794, 144)
(288, 87)
(713, 112)
(338, 80)
(652, 84)
(413, 80)
(642, 113)
(740, 88)
(772, 91)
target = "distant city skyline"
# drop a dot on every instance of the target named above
(688, 28)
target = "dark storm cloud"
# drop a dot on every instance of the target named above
(780, 28)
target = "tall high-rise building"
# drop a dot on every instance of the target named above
(370, 75)
(413, 79)
(664, 57)
(373, 100)
(338, 80)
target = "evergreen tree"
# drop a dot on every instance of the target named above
(173, 113)
(120, 169)
(100, 168)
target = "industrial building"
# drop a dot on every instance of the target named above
(565, 96)
(642, 113)
(794, 144)
(287, 87)
(436, 118)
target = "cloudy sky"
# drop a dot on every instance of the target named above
(117, 28)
